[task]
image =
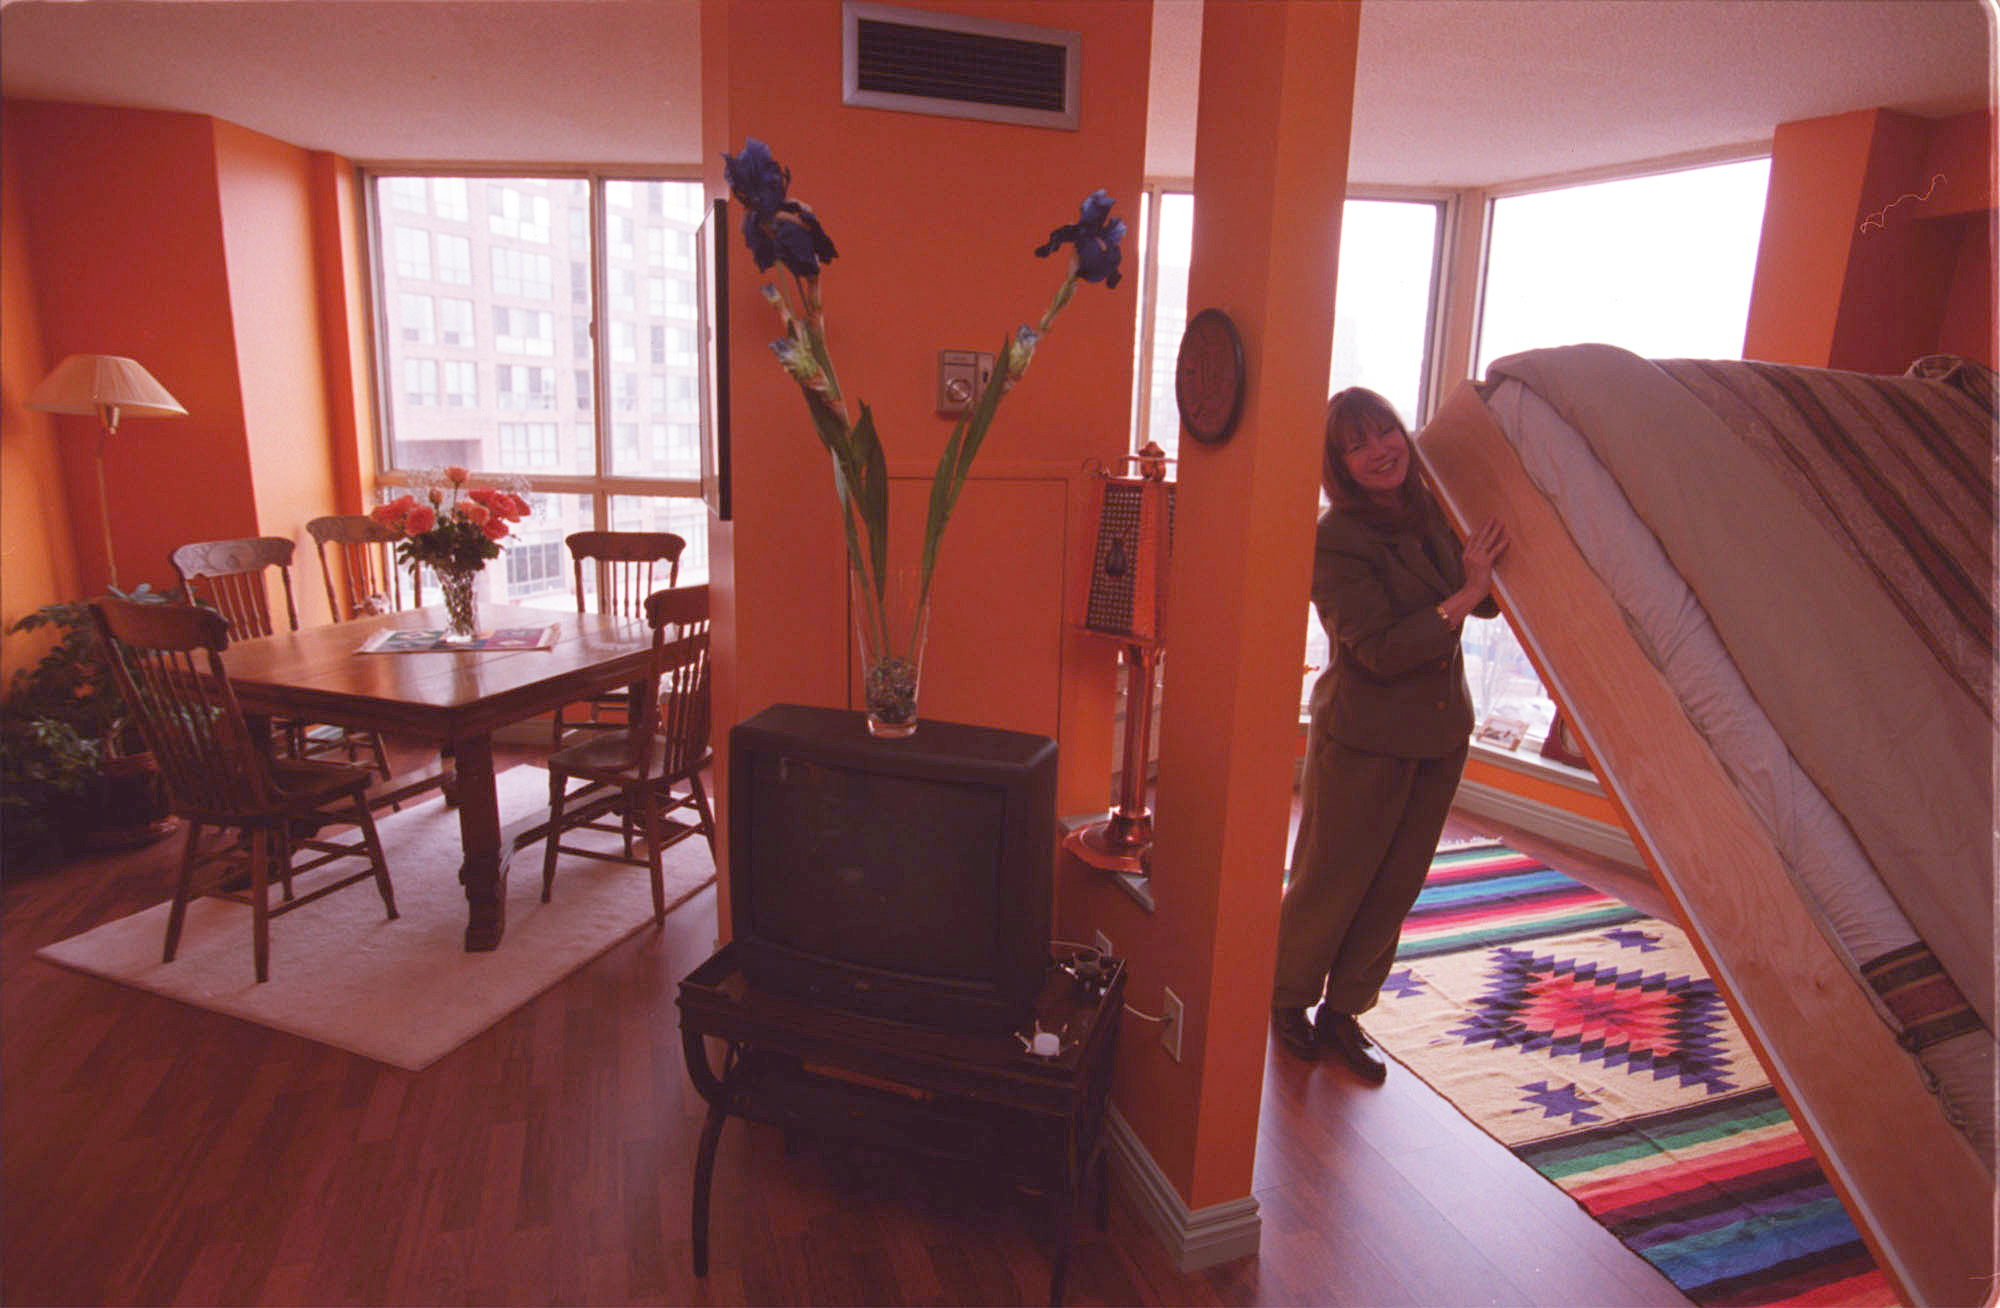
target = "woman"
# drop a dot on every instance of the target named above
(1391, 718)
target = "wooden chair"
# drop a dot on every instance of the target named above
(232, 577)
(625, 566)
(637, 775)
(369, 581)
(166, 659)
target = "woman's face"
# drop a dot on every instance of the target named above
(1378, 458)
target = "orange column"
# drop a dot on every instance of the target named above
(1270, 173)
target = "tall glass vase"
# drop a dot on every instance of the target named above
(891, 634)
(461, 602)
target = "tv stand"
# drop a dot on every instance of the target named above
(978, 1099)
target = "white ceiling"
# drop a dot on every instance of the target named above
(1450, 92)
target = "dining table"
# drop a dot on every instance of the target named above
(455, 697)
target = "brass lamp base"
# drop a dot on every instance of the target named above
(1119, 843)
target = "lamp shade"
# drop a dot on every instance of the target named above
(86, 383)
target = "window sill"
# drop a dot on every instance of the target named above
(1533, 765)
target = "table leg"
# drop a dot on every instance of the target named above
(484, 872)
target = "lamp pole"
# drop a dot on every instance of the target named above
(107, 419)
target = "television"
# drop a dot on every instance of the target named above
(902, 879)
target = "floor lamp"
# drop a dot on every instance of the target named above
(109, 386)
(1128, 603)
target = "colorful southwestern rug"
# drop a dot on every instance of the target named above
(1587, 1038)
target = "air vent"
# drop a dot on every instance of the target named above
(927, 63)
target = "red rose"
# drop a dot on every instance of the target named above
(422, 518)
(495, 528)
(475, 513)
(456, 475)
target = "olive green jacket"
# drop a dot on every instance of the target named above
(1396, 683)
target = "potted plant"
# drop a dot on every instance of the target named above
(72, 768)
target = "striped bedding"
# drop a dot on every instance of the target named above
(1834, 655)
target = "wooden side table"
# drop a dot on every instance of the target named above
(979, 1099)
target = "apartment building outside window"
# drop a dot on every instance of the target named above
(474, 277)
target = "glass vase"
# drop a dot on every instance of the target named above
(890, 631)
(461, 602)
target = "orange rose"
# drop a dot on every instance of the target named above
(475, 513)
(456, 475)
(422, 518)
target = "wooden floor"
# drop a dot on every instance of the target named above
(154, 1153)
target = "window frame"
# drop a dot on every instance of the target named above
(600, 487)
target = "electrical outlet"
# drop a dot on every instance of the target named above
(1103, 943)
(1170, 1030)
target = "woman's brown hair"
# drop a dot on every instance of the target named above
(1348, 414)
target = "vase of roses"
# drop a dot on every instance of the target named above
(891, 610)
(453, 529)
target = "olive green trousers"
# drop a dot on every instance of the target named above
(1368, 827)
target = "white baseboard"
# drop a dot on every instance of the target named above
(1194, 1239)
(1549, 822)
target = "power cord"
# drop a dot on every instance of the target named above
(1081, 951)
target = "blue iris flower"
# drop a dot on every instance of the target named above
(775, 228)
(1095, 236)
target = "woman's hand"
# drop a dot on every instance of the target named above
(1480, 553)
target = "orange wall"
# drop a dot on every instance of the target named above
(936, 220)
(1850, 274)
(125, 237)
(195, 247)
(34, 511)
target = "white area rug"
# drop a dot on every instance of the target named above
(404, 992)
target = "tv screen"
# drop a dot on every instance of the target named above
(908, 879)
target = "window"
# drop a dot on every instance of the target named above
(534, 567)
(529, 444)
(522, 274)
(522, 386)
(407, 194)
(503, 242)
(448, 198)
(461, 383)
(1661, 265)
(523, 331)
(413, 254)
(1166, 237)
(455, 322)
(454, 256)
(419, 323)
(420, 381)
(1386, 284)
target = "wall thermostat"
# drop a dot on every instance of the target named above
(962, 375)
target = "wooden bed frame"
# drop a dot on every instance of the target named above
(1913, 1184)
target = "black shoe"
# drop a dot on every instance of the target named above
(1342, 1034)
(1295, 1033)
